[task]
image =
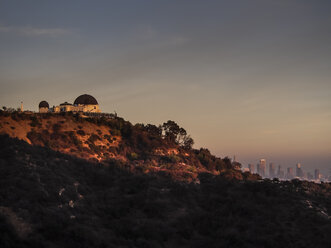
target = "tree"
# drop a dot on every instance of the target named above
(171, 131)
(188, 142)
(181, 136)
(154, 130)
(176, 134)
(227, 162)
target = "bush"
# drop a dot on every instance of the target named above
(56, 128)
(115, 132)
(133, 156)
(93, 138)
(80, 132)
(34, 122)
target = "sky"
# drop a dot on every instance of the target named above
(245, 78)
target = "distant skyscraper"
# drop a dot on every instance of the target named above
(317, 174)
(272, 170)
(310, 176)
(251, 168)
(290, 174)
(280, 172)
(262, 167)
(299, 171)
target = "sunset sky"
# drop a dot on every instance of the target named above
(245, 78)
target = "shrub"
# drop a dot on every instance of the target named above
(56, 128)
(93, 138)
(34, 121)
(95, 148)
(115, 132)
(133, 156)
(80, 132)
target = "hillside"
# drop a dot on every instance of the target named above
(67, 181)
(50, 199)
(146, 148)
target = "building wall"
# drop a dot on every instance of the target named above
(73, 108)
(66, 108)
(91, 108)
(43, 110)
(56, 109)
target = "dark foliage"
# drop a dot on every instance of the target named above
(212, 162)
(80, 132)
(69, 202)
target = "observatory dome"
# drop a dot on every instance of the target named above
(43, 104)
(85, 100)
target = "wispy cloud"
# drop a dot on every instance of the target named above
(34, 31)
(150, 35)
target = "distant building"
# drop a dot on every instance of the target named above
(251, 168)
(262, 167)
(309, 176)
(272, 170)
(299, 171)
(83, 103)
(317, 174)
(289, 174)
(280, 172)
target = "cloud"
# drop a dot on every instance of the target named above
(33, 31)
(151, 36)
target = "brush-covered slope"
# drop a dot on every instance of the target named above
(152, 149)
(50, 199)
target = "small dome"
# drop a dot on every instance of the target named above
(65, 103)
(43, 104)
(86, 100)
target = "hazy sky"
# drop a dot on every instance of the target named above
(250, 78)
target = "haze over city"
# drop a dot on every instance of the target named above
(245, 78)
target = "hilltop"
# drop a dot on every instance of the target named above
(165, 149)
(130, 186)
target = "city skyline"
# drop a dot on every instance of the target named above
(296, 171)
(245, 78)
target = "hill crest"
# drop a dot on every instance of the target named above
(141, 148)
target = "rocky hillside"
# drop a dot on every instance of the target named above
(68, 181)
(50, 199)
(150, 149)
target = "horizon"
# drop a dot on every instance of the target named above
(245, 79)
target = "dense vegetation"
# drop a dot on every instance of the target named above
(146, 148)
(49, 199)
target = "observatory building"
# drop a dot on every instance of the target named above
(83, 103)
(43, 107)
